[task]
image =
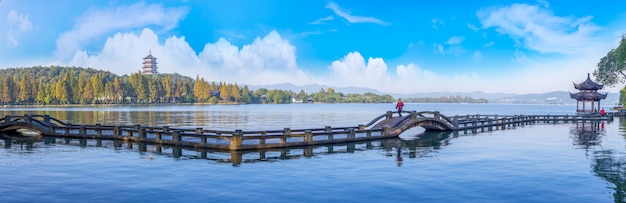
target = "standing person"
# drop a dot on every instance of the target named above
(399, 106)
(602, 112)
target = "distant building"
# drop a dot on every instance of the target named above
(588, 93)
(149, 64)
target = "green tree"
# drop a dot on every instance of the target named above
(62, 91)
(118, 86)
(224, 92)
(612, 67)
(234, 92)
(8, 93)
(245, 95)
(167, 86)
(88, 93)
(24, 93)
(41, 93)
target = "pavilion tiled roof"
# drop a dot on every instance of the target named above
(588, 85)
(588, 96)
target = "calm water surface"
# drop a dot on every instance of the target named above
(531, 163)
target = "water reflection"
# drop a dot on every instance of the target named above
(416, 148)
(587, 134)
(608, 164)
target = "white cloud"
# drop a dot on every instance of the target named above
(538, 29)
(271, 59)
(488, 44)
(352, 70)
(98, 23)
(352, 18)
(414, 79)
(322, 20)
(438, 48)
(267, 60)
(477, 56)
(455, 40)
(519, 56)
(18, 24)
(437, 23)
(472, 27)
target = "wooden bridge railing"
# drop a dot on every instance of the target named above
(266, 139)
(198, 137)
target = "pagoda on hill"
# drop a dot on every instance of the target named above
(588, 93)
(149, 64)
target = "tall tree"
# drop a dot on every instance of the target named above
(234, 92)
(8, 93)
(224, 92)
(167, 87)
(24, 93)
(612, 67)
(245, 95)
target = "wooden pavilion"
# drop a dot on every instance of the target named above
(588, 93)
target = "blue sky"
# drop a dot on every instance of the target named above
(390, 46)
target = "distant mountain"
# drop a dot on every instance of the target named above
(556, 97)
(316, 88)
(474, 95)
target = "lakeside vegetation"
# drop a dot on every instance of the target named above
(451, 99)
(58, 85)
(612, 69)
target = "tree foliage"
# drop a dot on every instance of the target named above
(56, 85)
(612, 67)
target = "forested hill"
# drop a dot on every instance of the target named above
(76, 85)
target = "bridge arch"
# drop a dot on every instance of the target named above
(429, 120)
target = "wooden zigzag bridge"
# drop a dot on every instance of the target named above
(384, 126)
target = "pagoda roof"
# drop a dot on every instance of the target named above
(588, 85)
(588, 96)
(149, 57)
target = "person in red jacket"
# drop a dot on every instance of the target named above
(602, 112)
(399, 106)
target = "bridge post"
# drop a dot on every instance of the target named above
(389, 114)
(236, 140)
(262, 140)
(437, 115)
(98, 129)
(164, 129)
(361, 127)
(50, 129)
(116, 131)
(308, 136)
(7, 119)
(176, 138)
(46, 119)
(286, 133)
(81, 130)
(202, 138)
(141, 133)
(329, 130)
(67, 128)
(28, 119)
(351, 133)
(385, 131)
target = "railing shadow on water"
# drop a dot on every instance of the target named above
(608, 163)
(414, 147)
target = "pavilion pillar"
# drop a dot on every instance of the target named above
(583, 105)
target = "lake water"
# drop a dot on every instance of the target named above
(530, 163)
